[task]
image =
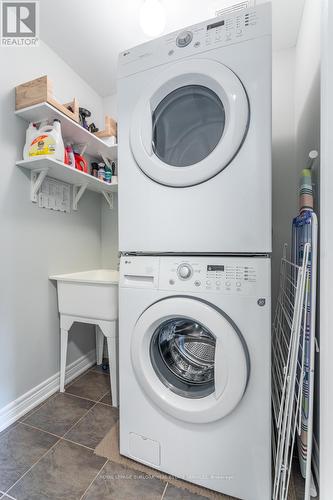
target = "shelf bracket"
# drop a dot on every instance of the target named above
(78, 191)
(106, 161)
(81, 147)
(109, 198)
(36, 178)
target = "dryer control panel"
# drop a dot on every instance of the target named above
(234, 27)
(218, 31)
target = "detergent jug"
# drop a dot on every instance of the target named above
(46, 141)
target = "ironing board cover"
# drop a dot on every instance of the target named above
(305, 231)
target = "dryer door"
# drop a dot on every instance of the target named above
(190, 359)
(189, 123)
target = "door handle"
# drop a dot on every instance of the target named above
(147, 130)
(220, 370)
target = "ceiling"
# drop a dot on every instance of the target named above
(89, 35)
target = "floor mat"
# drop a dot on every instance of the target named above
(109, 448)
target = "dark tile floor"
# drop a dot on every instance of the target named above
(49, 453)
(298, 480)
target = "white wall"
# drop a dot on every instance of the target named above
(326, 257)
(35, 242)
(109, 234)
(307, 121)
(285, 174)
(307, 82)
(110, 105)
(110, 217)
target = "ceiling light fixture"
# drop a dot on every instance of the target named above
(152, 17)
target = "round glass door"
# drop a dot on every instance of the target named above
(189, 359)
(187, 125)
(182, 352)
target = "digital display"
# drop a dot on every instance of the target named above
(215, 25)
(215, 268)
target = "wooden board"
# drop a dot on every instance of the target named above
(41, 90)
(33, 92)
(64, 108)
(110, 128)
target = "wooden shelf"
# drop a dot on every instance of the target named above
(71, 131)
(42, 167)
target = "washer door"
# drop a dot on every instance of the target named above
(190, 359)
(190, 123)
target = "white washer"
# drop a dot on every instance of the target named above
(194, 132)
(194, 363)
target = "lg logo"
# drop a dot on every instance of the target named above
(19, 26)
(261, 302)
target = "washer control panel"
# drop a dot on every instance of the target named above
(236, 276)
(230, 275)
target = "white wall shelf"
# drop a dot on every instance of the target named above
(42, 167)
(71, 131)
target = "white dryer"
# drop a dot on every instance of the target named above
(195, 369)
(194, 112)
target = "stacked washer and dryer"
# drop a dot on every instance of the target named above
(195, 236)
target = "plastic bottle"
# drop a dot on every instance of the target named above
(66, 160)
(101, 171)
(108, 174)
(70, 154)
(81, 163)
(29, 137)
(94, 169)
(45, 142)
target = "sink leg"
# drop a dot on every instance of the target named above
(109, 328)
(112, 352)
(99, 345)
(63, 356)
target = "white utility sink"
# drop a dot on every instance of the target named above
(89, 294)
(90, 297)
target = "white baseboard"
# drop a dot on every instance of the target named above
(16, 409)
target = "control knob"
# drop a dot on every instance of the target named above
(184, 38)
(184, 271)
